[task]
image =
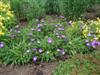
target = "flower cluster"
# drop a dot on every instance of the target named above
(6, 15)
(91, 31)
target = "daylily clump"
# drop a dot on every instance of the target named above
(7, 17)
(91, 31)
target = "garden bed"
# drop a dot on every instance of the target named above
(37, 37)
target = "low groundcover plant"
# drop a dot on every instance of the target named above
(42, 41)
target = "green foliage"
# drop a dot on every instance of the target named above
(28, 8)
(43, 40)
(76, 40)
(72, 9)
(80, 64)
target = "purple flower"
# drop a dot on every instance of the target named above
(1, 44)
(98, 43)
(60, 28)
(38, 29)
(50, 40)
(62, 51)
(89, 34)
(34, 49)
(34, 58)
(61, 16)
(88, 44)
(40, 50)
(39, 25)
(62, 36)
(94, 43)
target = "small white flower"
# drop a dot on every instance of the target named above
(58, 50)
(38, 41)
(47, 52)
(28, 51)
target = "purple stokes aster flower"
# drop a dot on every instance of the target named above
(61, 16)
(1, 44)
(88, 44)
(99, 43)
(34, 49)
(39, 25)
(89, 34)
(39, 29)
(61, 29)
(50, 40)
(34, 58)
(40, 50)
(94, 43)
(62, 51)
(63, 36)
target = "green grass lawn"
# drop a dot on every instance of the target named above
(88, 64)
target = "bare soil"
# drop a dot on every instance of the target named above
(29, 69)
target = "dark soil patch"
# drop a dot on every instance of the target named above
(29, 69)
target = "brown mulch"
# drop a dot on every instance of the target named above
(29, 69)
